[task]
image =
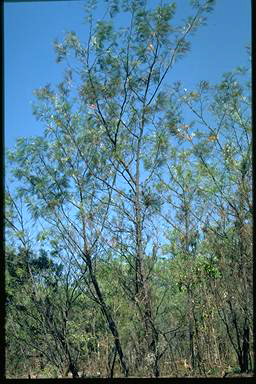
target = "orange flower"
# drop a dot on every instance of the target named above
(213, 137)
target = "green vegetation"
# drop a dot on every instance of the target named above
(129, 226)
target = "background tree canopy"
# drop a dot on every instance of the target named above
(129, 221)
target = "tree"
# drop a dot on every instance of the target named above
(220, 171)
(128, 67)
(125, 111)
(146, 217)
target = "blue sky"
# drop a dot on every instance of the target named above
(31, 27)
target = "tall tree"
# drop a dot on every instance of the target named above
(70, 183)
(219, 141)
(122, 75)
(118, 173)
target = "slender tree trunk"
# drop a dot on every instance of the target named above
(103, 306)
(190, 296)
(191, 331)
(245, 348)
(139, 267)
(107, 314)
(111, 362)
(141, 285)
